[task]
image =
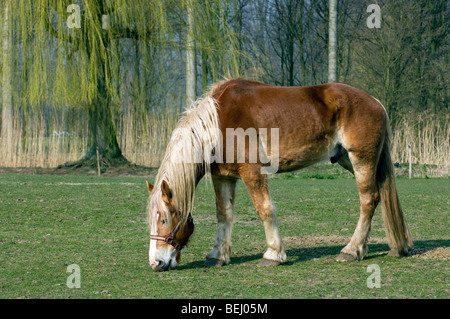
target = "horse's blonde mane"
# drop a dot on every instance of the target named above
(188, 153)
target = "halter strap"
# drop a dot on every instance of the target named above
(170, 237)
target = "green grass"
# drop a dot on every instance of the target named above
(49, 222)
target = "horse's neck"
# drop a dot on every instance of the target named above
(200, 169)
(187, 193)
(199, 174)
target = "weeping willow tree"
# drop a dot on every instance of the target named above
(73, 56)
(116, 67)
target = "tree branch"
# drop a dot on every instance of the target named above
(61, 36)
(117, 33)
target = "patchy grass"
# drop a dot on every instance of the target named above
(52, 221)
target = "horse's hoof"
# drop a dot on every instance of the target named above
(343, 257)
(213, 262)
(268, 263)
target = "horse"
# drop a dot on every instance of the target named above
(309, 124)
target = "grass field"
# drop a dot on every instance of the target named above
(49, 222)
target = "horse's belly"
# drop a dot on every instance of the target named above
(299, 154)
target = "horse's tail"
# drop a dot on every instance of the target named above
(397, 230)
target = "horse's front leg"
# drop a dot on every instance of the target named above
(224, 189)
(258, 189)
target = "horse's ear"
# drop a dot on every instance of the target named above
(149, 186)
(166, 193)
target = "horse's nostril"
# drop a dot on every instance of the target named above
(164, 266)
(160, 265)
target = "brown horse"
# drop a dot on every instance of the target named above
(224, 132)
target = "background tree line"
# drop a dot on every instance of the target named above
(118, 82)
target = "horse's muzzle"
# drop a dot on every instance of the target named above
(161, 265)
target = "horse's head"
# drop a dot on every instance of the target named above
(169, 231)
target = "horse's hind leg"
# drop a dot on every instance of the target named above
(220, 254)
(258, 189)
(365, 175)
(344, 161)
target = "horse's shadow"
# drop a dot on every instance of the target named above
(296, 255)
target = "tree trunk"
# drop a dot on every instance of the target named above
(7, 109)
(190, 56)
(238, 13)
(102, 134)
(204, 71)
(332, 46)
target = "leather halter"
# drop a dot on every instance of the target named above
(170, 238)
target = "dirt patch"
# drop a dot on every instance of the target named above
(312, 240)
(441, 253)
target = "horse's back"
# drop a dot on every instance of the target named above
(313, 121)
